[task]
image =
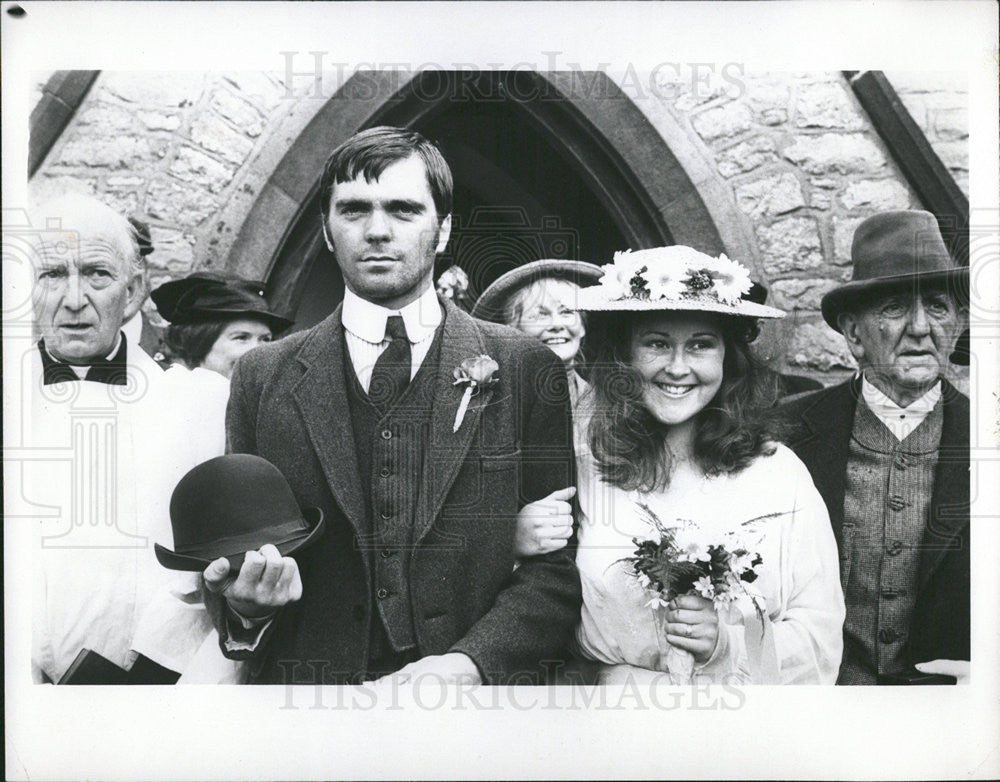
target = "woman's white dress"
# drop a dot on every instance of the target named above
(798, 585)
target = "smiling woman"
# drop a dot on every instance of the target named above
(676, 434)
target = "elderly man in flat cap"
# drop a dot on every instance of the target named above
(889, 452)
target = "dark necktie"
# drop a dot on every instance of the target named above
(391, 373)
(111, 371)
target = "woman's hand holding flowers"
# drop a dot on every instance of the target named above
(693, 624)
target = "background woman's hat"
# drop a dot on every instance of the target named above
(491, 304)
(209, 295)
(895, 250)
(233, 504)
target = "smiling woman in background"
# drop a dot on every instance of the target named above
(539, 299)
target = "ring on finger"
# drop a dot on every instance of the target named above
(687, 631)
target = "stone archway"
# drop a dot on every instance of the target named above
(643, 188)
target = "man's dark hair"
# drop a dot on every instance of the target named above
(372, 151)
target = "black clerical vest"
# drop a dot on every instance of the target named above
(390, 450)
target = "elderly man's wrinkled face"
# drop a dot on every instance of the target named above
(81, 290)
(903, 340)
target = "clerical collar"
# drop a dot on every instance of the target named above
(110, 369)
(899, 420)
(366, 320)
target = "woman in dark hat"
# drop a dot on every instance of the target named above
(215, 318)
(539, 299)
(676, 434)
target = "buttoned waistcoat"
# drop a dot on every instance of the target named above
(289, 404)
(821, 430)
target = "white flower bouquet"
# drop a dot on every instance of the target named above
(693, 559)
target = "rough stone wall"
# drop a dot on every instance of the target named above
(939, 104)
(804, 166)
(175, 149)
(800, 160)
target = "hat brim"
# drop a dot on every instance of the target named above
(490, 304)
(171, 560)
(593, 301)
(839, 299)
(274, 321)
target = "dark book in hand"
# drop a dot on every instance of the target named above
(91, 668)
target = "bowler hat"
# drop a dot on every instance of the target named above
(208, 295)
(233, 504)
(895, 250)
(490, 305)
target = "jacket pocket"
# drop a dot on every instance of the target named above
(500, 461)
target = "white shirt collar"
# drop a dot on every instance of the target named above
(132, 328)
(899, 420)
(366, 320)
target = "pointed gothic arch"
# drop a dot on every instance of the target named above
(540, 155)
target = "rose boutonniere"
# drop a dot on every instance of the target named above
(476, 374)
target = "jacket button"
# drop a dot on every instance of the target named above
(386, 515)
(887, 636)
(895, 548)
(386, 434)
(382, 593)
(385, 472)
(385, 553)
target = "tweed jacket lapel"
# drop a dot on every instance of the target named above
(825, 442)
(321, 397)
(949, 512)
(447, 449)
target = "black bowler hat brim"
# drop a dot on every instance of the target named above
(171, 560)
(836, 301)
(489, 306)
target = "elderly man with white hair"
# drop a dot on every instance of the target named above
(105, 467)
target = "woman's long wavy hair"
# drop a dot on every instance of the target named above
(629, 444)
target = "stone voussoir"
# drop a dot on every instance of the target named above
(843, 153)
(772, 196)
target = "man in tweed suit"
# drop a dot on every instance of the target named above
(415, 572)
(889, 452)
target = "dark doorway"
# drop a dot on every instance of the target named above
(523, 188)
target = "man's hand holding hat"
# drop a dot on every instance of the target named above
(266, 582)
